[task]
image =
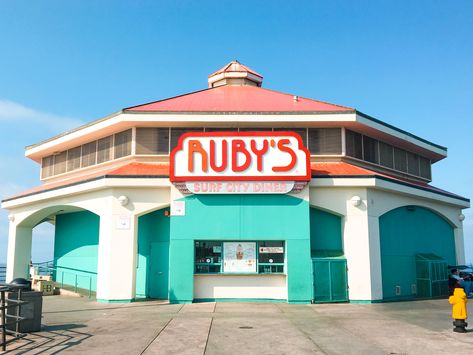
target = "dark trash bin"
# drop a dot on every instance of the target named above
(30, 311)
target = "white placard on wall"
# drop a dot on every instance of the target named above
(178, 208)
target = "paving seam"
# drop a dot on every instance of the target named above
(208, 335)
(157, 335)
(302, 332)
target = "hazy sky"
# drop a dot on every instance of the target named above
(64, 63)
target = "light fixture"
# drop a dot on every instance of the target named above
(356, 201)
(461, 217)
(11, 217)
(123, 200)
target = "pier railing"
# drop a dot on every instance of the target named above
(66, 279)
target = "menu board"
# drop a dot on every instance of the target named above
(239, 257)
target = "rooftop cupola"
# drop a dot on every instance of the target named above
(235, 73)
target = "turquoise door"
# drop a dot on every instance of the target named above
(158, 279)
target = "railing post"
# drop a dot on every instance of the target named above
(90, 286)
(62, 279)
(75, 284)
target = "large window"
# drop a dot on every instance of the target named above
(152, 140)
(239, 257)
(374, 151)
(325, 141)
(354, 145)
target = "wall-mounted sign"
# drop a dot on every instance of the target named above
(239, 257)
(178, 208)
(122, 222)
(240, 187)
(271, 250)
(244, 156)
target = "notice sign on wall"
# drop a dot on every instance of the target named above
(239, 257)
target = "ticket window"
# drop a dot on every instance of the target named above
(245, 257)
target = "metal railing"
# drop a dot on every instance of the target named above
(58, 275)
(5, 316)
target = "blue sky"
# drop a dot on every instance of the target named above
(408, 63)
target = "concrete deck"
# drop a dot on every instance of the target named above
(77, 325)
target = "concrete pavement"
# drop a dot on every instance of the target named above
(77, 325)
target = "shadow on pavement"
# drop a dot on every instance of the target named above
(52, 339)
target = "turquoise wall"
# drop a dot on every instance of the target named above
(407, 231)
(76, 248)
(152, 227)
(325, 231)
(241, 217)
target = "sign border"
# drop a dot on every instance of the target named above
(179, 147)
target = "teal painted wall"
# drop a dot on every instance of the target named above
(76, 248)
(325, 231)
(404, 233)
(241, 217)
(152, 227)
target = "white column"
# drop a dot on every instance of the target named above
(361, 245)
(459, 245)
(19, 252)
(376, 279)
(117, 253)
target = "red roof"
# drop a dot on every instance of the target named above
(148, 170)
(235, 66)
(238, 98)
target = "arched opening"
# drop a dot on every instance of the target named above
(64, 241)
(152, 271)
(404, 233)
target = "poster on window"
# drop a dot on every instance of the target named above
(239, 257)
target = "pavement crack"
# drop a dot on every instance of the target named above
(157, 335)
(208, 335)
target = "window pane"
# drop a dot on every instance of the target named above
(370, 149)
(122, 144)
(73, 158)
(300, 131)
(104, 149)
(89, 154)
(400, 160)
(271, 252)
(425, 168)
(60, 163)
(412, 163)
(176, 133)
(47, 166)
(152, 140)
(386, 155)
(221, 129)
(353, 144)
(325, 141)
(208, 256)
(255, 129)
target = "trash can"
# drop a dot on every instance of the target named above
(30, 311)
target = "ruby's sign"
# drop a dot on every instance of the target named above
(245, 162)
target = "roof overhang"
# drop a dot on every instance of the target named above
(126, 119)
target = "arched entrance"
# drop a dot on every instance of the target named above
(404, 233)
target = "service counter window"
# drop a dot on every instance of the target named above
(239, 257)
(208, 257)
(270, 257)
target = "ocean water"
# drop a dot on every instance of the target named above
(2, 272)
